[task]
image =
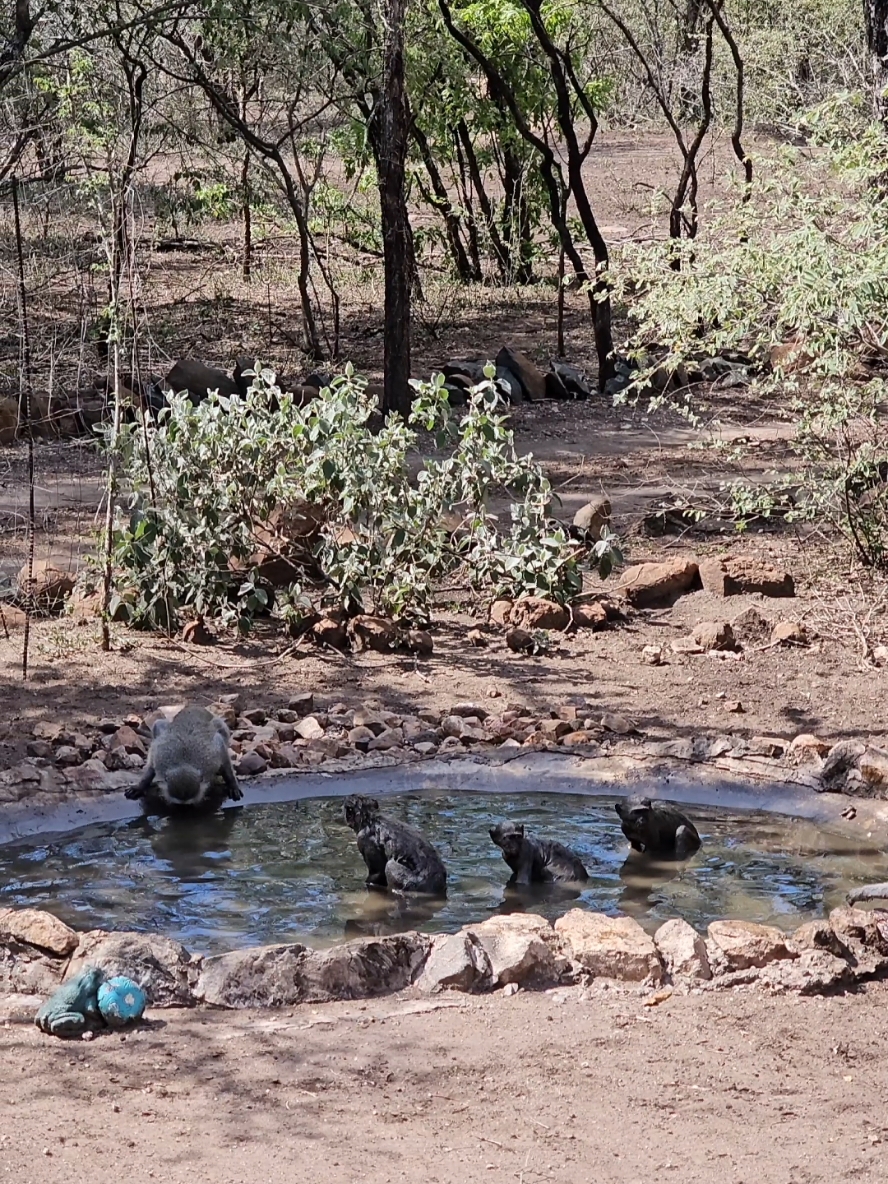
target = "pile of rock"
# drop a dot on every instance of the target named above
(38, 952)
(305, 735)
(517, 378)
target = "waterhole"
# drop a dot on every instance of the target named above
(292, 872)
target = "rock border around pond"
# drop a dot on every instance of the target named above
(38, 952)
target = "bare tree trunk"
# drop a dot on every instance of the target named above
(440, 199)
(398, 258)
(499, 248)
(875, 15)
(516, 228)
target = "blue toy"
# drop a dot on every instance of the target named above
(121, 1001)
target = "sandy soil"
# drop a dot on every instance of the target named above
(713, 1089)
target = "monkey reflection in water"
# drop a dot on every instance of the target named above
(192, 845)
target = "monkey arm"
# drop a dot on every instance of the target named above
(869, 892)
(685, 842)
(229, 777)
(142, 785)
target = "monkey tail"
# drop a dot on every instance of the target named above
(868, 892)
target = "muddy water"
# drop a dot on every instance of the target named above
(290, 872)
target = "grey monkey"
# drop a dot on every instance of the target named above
(657, 828)
(186, 756)
(536, 861)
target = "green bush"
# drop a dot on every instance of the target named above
(390, 533)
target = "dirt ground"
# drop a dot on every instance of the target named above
(713, 1089)
(199, 307)
(827, 688)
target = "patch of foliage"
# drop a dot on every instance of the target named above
(802, 265)
(389, 531)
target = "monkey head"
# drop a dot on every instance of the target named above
(184, 785)
(509, 837)
(358, 811)
(635, 814)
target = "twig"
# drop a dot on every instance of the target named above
(25, 404)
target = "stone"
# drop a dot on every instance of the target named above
(373, 633)
(713, 635)
(532, 612)
(555, 728)
(734, 707)
(734, 575)
(198, 380)
(873, 766)
(683, 950)
(500, 612)
(740, 945)
(280, 975)
(864, 934)
(471, 734)
(425, 747)
(309, 728)
(750, 628)
(197, 633)
(251, 764)
(770, 746)
(582, 739)
(807, 749)
(789, 633)
(611, 722)
(129, 740)
(520, 947)
(33, 927)
(818, 935)
(390, 738)
(361, 737)
(24, 970)
(880, 655)
(572, 380)
(477, 639)
(367, 718)
(594, 616)
(610, 947)
(226, 712)
(685, 645)
(163, 969)
(302, 704)
(520, 641)
(814, 972)
(591, 518)
(53, 580)
(331, 630)
(713, 577)
(468, 710)
(39, 748)
(255, 715)
(650, 584)
(452, 725)
(840, 761)
(531, 378)
(456, 961)
(419, 642)
(67, 754)
(652, 655)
